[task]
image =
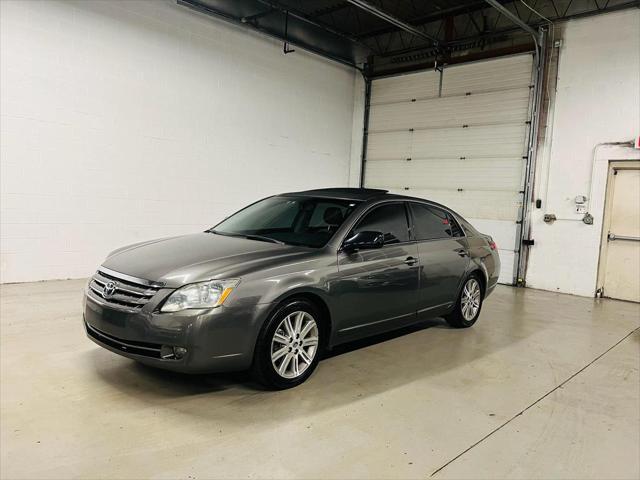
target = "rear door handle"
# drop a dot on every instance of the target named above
(462, 252)
(411, 261)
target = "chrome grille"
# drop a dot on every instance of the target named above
(125, 291)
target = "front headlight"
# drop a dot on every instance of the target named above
(200, 295)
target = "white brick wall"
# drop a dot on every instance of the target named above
(129, 120)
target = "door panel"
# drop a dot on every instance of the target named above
(622, 267)
(444, 257)
(442, 264)
(376, 290)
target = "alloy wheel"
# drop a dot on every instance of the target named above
(294, 344)
(470, 301)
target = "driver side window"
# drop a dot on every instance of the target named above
(390, 219)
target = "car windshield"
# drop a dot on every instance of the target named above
(293, 220)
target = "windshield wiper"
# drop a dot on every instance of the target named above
(249, 236)
(263, 239)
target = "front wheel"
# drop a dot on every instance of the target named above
(468, 306)
(287, 351)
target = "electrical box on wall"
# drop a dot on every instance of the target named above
(581, 204)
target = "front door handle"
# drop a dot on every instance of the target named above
(411, 261)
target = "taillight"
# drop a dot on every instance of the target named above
(492, 245)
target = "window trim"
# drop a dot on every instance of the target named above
(371, 208)
(431, 205)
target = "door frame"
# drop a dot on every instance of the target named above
(612, 168)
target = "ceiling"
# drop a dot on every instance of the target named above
(384, 37)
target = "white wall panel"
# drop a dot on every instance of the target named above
(126, 121)
(466, 149)
(597, 99)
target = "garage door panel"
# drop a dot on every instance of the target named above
(405, 87)
(470, 204)
(507, 262)
(488, 108)
(466, 149)
(502, 231)
(479, 174)
(490, 141)
(499, 74)
(504, 234)
(389, 145)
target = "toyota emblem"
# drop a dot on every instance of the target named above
(109, 289)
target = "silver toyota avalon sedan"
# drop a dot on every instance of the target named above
(272, 286)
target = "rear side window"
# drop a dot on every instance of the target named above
(456, 230)
(389, 219)
(432, 223)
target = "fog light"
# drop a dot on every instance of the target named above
(179, 352)
(168, 352)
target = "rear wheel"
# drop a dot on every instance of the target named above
(469, 304)
(287, 351)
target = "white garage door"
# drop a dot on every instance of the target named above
(461, 141)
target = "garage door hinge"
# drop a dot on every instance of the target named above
(465, 126)
(529, 242)
(413, 99)
(460, 190)
(463, 158)
(406, 188)
(528, 122)
(409, 159)
(468, 93)
(411, 129)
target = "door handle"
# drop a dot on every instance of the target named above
(411, 261)
(462, 252)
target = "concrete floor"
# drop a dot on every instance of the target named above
(544, 386)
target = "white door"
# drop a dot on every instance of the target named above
(621, 250)
(459, 139)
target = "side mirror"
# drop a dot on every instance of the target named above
(366, 240)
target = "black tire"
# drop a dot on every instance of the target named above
(263, 368)
(458, 318)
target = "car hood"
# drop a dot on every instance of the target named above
(203, 256)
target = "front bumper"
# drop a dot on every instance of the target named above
(216, 340)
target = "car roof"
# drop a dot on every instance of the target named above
(343, 193)
(362, 194)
